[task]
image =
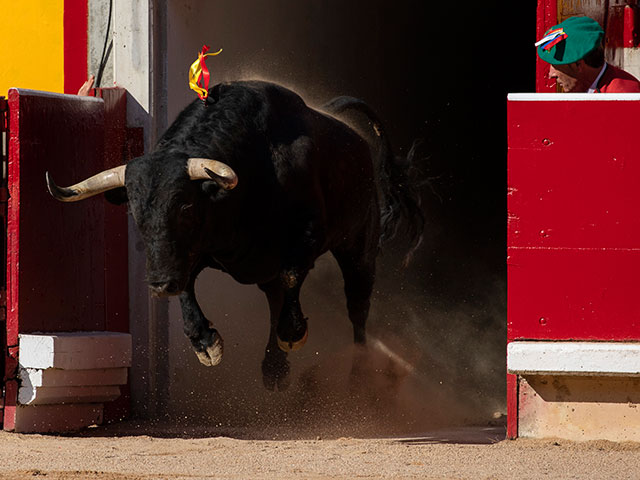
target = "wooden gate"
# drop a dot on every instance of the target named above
(66, 263)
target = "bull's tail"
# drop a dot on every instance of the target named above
(397, 181)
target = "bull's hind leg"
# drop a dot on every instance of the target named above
(206, 341)
(358, 271)
(275, 367)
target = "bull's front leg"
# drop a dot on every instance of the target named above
(306, 239)
(275, 367)
(206, 341)
(292, 330)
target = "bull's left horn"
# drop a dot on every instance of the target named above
(103, 181)
(208, 169)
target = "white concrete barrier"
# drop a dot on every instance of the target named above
(65, 378)
(574, 358)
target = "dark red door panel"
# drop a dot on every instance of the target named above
(55, 250)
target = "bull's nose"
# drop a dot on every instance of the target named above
(164, 288)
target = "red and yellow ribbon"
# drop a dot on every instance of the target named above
(199, 74)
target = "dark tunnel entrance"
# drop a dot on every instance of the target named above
(437, 75)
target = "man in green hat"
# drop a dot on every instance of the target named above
(574, 51)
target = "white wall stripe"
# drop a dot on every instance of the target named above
(574, 358)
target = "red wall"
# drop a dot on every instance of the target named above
(573, 223)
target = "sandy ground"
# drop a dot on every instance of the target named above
(139, 452)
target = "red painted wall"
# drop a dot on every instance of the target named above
(573, 227)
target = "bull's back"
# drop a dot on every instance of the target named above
(347, 176)
(336, 161)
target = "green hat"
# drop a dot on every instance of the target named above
(570, 40)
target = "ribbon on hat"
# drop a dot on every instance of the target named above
(551, 39)
(199, 73)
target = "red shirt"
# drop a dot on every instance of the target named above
(616, 80)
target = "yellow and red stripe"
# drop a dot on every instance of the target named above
(43, 45)
(76, 13)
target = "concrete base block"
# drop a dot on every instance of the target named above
(65, 395)
(75, 350)
(53, 377)
(56, 418)
(64, 379)
(617, 359)
(579, 407)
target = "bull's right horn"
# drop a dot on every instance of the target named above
(209, 169)
(103, 181)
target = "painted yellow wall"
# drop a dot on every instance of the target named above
(31, 45)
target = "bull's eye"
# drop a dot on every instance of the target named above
(187, 213)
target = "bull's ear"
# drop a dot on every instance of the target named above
(210, 187)
(213, 190)
(117, 196)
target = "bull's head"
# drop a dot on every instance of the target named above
(167, 206)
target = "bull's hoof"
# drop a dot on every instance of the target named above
(292, 346)
(275, 371)
(209, 349)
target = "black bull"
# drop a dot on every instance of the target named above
(288, 184)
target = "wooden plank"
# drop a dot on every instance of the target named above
(591, 8)
(75, 350)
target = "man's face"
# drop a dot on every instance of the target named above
(570, 77)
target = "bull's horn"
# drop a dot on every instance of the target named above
(103, 181)
(207, 169)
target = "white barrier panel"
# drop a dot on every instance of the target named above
(574, 358)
